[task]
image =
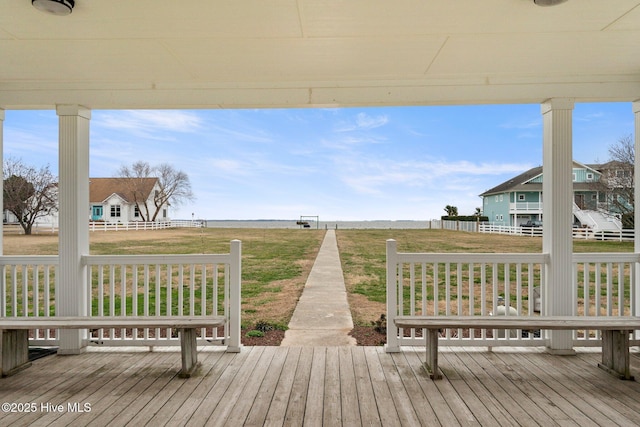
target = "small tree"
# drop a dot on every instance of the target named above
(29, 193)
(451, 210)
(175, 187)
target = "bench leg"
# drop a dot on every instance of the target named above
(14, 351)
(431, 363)
(615, 354)
(189, 352)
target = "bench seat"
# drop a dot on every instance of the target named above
(14, 336)
(615, 333)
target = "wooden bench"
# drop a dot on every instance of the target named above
(615, 334)
(14, 335)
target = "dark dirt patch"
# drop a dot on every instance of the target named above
(364, 335)
(368, 335)
(273, 337)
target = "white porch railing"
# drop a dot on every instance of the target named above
(525, 207)
(132, 285)
(437, 284)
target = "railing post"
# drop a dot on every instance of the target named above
(235, 282)
(393, 342)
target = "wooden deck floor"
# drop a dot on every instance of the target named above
(322, 386)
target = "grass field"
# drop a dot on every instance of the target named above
(362, 253)
(276, 262)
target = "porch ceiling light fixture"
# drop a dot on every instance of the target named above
(54, 7)
(548, 2)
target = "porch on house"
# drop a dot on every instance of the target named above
(322, 386)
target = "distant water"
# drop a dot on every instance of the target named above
(382, 224)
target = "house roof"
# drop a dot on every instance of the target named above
(517, 182)
(100, 189)
(304, 53)
(522, 181)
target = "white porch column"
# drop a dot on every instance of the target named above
(73, 199)
(1, 178)
(636, 212)
(557, 241)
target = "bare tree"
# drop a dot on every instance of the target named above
(175, 187)
(136, 175)
(617, 180)
(29, 193)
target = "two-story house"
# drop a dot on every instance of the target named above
(519, 200)
(125, 199)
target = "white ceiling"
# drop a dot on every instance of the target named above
(296, 53)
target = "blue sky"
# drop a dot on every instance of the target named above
(340, 164)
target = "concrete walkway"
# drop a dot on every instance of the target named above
(322, 316)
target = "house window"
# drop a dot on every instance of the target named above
(589, 177)
(115, 211)
(501, 217)
(496, 198)
(497, 217)
(164, 213)
(574, 177)
(501, 197)
(136, 212)
(521, 197)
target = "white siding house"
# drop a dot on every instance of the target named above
(124, 200)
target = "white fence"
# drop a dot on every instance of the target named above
(124, 226)
(437, 284)
(578, 233)
(132, 285)
(482, 227)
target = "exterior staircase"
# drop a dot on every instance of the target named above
(597, 220)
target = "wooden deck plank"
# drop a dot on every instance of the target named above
(280, 401)
(494, 386)
(32, 386)
(332, 408)
(444, 413)
(548, 385)
(74, 379)
(314, 411)
(523, 380)
(611, 398)
(264, 398)
(279, 386)
(585, 363)
(246, 394)
(299, 389)
(207, 382)
(399, 393)
(348, 388)
(420, 402)
(501, 415)
(236, 388)
(156, 395)
(482, 410)
(366, 398)
(124, 383)
(386, 408)
(182, 393)
(570, 388)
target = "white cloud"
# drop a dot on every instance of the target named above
(363, 121)
(375, 176)
(150, 123)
